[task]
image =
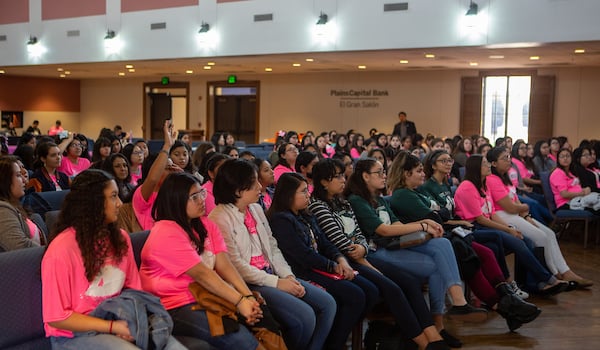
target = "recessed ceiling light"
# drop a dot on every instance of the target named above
(62, 76)
(310, 60)
(473, 64)
(67, 72)
(207, 67)
(429, 55)
(579, 51)
(362, 67)
(2, 71)
(534, 58)
(189, 71)
(496, 57)
(296, 64)
(129, 66)
(268, 69)
(210, 63)
(403, 61)
(121, 74)
(131, 70)
(59, 69)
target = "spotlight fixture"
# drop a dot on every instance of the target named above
(110, 34)
(472, 9)
(204, 28)
(32, 40)
(322, 19)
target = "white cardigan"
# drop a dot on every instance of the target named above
(231, 223)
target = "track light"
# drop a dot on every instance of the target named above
(473, 8)
(110, 34)
(204, 28)
(32, 40)
(322, 19)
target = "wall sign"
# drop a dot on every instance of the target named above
(363, 98)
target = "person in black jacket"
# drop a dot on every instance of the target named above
(404, 127)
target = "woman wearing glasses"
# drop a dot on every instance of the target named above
(185, 247)
(509, 209)
(287, 154)
(433, 260)
(304, 311)
(313, 258)
(73, 163)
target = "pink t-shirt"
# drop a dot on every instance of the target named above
(513, 175)
(72, 170)
(499, 190)
(354, 153)
(469, 204)
(135, 177)
(523, 171)
(559, 181)
(143, 208)
(280, 170)
(168, 254)
(66, 290)
(209, 202)
(33, 230)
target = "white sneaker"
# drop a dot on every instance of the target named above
(520, 293)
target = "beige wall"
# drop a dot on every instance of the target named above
(303, 101)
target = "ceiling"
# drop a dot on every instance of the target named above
(474, 57)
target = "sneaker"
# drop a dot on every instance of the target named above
(467, 313)
(450, 340)
(518, 291)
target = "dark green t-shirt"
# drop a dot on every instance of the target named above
(370, 218)
(409, 205)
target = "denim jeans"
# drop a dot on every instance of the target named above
(305, 322)
(521, 249)
(102, 341)
(190, 323)
(409, 309)
(433, 261)
(353, 298)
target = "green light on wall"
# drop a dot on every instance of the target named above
(232, 79)
(165, 80)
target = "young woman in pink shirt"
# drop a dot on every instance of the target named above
(287, 153)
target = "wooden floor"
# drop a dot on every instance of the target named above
(568, 321)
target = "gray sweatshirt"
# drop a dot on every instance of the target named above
(14, 232)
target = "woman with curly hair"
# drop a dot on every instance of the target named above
(88, 262)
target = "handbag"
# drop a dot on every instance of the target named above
(221, 312)
(404, 241)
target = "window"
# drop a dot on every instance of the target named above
(506, 107)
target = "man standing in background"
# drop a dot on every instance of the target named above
(404, 127)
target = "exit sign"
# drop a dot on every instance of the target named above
(232, 79)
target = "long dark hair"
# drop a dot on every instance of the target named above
(430, 159)
(570, 170)
(189, 168)
(280, 152)
(285, 192)
(515, 154)
(83, 209)
(473, 173)
(325, 169)
(356, 184)
(492, 156)
(171, 204)
(235, 175)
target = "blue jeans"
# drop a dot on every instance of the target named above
(102, 341)
(433, 261)
(538, 210)
(305, 322)
(522, 250)
(409, 309)
(190, 323)
(353, 298)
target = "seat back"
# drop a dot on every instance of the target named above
(54, 198)
(548, 194)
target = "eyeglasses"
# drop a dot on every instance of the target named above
(76, 145)
(586, 155)
(304, 192)
(506, 157)
(564, 156)
(380, 172)
(198, 196)
(139, 153)
(293, 149)
(446, 161)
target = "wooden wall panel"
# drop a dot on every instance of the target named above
(541, 108)
(14, 11)
(39, 94)
(470, 106)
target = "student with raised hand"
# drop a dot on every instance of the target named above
(154, 170)
(312, 257)
(88, 262)
(185, 247)
(433, 260)
(509, 209)
(474, 204)
(401, 291)
(304, 311)
(486, 280)
(18, 230)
